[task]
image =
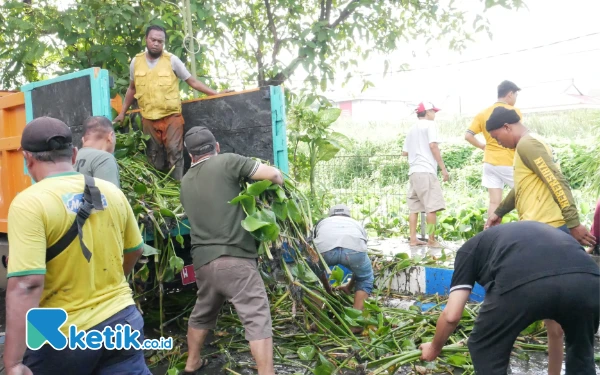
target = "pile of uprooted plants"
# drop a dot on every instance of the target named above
(313, 330)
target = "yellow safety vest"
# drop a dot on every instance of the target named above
(157, 89)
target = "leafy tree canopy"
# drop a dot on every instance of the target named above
(260, 42)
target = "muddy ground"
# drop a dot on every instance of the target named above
(537, 364)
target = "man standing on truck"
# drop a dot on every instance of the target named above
(96, 159)
(224, 253)
(541, 193)
(154, 82)
(72, 239)
(424, 157)
(497, 160)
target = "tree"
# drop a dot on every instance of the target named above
(311, 138)
(263, 42)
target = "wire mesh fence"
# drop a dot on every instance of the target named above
(369, 185)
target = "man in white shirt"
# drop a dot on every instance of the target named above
(424, 157)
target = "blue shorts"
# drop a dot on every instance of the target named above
(49, 361)
(357, 261)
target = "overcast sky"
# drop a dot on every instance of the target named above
(542, 23)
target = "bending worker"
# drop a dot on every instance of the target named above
(524, 280)
(541, 193)
(342, 240)
(154, 82)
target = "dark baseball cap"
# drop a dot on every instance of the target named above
(199, 141)
(501, 116)
(46, 134)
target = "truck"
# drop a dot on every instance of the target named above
(250, 123)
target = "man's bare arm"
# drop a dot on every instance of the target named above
(129, 98)
(130, 259)
(470, 137)
(197, 85)
(446, 324)
(437, 155)
(22, 293)
(266, 172)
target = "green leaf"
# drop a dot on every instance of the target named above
(251, 223)
(280, 210)
(149, 250)
(258, 188)
(307, 353)
(402, 256)
(294, 212)
(340, 140)
(269, 232)
(338, 275)
(247, 201)
(267, 215)
(585, 208)
(168, 275)
(179, 239)
(352, 312)
(176, 263)
(140, 188)
(457, 360)
(326, 150)
(143, 273)
(120, 154)
(408, 345)
(325, 367)
(329, 115)
(166, 212)
(279, 192)
(304, 273)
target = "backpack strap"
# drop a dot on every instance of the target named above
(92, 199)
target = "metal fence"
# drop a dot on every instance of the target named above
(371, 185)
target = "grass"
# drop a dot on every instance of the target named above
(371, 177)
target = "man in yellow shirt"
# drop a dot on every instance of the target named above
(497, 160)
(541, 193)
(72, 239)
(154, 82)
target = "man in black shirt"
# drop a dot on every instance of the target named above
(530, 272)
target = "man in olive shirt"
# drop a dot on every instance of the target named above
(541, 193)
(224, 254)
(96, 158)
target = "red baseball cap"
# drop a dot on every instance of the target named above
(425, 106)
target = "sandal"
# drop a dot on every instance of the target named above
(195, 372)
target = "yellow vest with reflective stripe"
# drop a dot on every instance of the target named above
(156, 89)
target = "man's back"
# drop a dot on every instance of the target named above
(494, 154)
(340, 231)
(510, 255)
(206, 190)
(90, 292)
(98, 164)
(534, 199)
(420, 157)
